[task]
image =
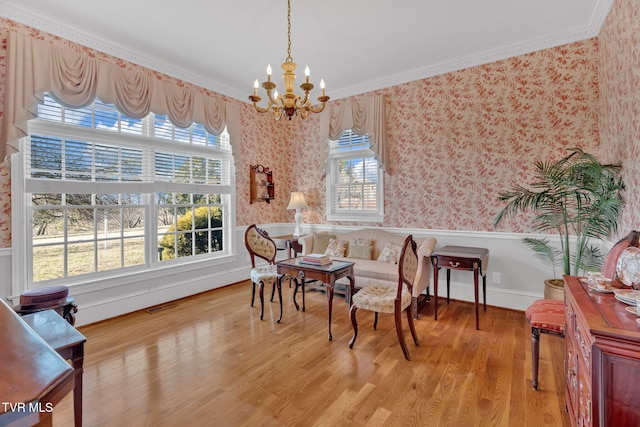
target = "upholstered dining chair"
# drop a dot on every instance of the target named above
(260, 245)
(382, 298)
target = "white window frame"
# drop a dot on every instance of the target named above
(333, 213)
(22, 263)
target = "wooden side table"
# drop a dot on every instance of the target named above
(461, 258)
(68, 343)
(290, 244)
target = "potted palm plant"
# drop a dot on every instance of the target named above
(577, 196)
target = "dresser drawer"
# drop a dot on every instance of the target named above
(584, 342)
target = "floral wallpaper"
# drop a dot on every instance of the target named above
(5, 205)
(619, 82)
(456, 140)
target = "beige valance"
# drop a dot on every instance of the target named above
(76, 79)
(364, 116)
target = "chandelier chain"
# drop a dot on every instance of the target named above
(289, 59)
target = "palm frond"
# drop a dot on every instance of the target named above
(575, 196)
(546, 253)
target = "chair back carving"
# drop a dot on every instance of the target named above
(260, 245)
(407, 265)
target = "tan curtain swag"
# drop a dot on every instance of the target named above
(76, 79)
(364, 116)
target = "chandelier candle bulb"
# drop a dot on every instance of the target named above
(256, 84)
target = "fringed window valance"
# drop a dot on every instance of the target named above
(76, 79)
(365, 116)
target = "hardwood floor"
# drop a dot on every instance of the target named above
(209, 360)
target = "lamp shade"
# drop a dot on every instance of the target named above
(297, 201)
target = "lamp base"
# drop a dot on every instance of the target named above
(298, 217)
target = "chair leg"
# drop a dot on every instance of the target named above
(411, 326)
(253, 292)
(375, 320)
(535, 355)
(261, 287)
(273, 291)
(352, 314)
(279, 284)
(403, 344)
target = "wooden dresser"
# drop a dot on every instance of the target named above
(602, 366)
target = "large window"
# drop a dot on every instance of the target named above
(105, 193)
(354, 181)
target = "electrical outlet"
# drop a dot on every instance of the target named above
(496, 278)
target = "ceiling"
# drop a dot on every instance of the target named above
(355, 45)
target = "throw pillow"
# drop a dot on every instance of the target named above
(390, 253)
(360, 248)
(321, 240)
(336, 247)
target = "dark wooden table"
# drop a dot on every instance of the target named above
(68, 342)
(327, 274)
(33, 377)
(291, 244)
(461, 258)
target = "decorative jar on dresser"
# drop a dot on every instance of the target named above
(602, 365)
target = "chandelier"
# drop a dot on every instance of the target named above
(288, 104)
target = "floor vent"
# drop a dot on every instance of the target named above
(158, 308)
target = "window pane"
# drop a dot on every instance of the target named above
(50, 110)
(45, 154)
(80, 117)
(134, 251)
(181, 134)
(81, 258)
(48, 262)
(163, 127)
(198, 134)
(133, 221)
(106, 118)
(47, 223)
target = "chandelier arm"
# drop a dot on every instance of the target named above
(306, 99)
(260, 109)
(272, 100)
(317, 109)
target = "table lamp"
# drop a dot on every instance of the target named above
(297, 202)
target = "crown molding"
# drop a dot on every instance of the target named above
(16, 12)
(587, 31)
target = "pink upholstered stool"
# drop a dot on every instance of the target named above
(545, 316)
(48, 297)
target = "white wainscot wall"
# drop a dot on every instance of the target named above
(521, 275)
(102, 299)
